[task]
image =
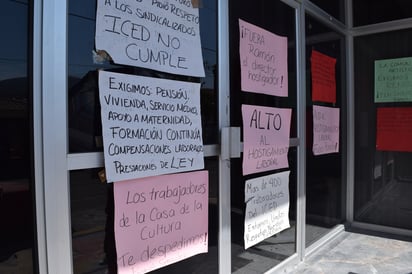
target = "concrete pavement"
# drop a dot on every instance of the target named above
(356, 253)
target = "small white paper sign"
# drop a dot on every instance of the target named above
(267, 207)
(159, 35)
(150, 126)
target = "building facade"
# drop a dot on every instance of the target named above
(57, 211)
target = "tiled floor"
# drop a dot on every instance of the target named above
(355, 253)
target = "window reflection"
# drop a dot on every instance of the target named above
(378, 11)
(16, 197)
(335, 8)
(382, 177)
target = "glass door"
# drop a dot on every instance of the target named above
(383, 123)
(243, 234)
(92, 202)
(263, 92)
(326, 129)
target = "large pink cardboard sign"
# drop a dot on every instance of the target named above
(160, 220)
(263, 60)
(266, 133)
(325, 130)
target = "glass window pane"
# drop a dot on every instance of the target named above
(325, 173)
(383, 178)
(83, 99)
(335, 8)
(278, 18)
(91, 201)
(17, 231)
(377, 11)
(84, 113)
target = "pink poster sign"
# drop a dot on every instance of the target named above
(266, 133)
(263, 61)
(325, 130)
(160, 220)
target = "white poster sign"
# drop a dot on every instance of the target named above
(150, 126)
(160, 35)
(267, 207)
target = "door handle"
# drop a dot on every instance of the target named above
(230, 145)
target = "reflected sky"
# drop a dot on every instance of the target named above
(82, 18)
(13, 25)
(13, 54)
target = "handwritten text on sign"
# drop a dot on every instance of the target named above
(323, 77)
(160, 35)
(150, 126)
(263, 61)
(393, 80)
(267, 207)
(266, 133)
(325, 130)
(160, 220)
(394, 129)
